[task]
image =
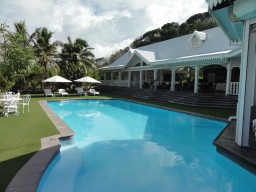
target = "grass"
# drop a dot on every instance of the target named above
(214, 112)
(20, 135)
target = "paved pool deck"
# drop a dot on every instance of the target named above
(226, 145)
(28, 177)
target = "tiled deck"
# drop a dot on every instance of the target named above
(28, 177)
(244, 156)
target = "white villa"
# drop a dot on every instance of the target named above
(208, 59)
(222, 57)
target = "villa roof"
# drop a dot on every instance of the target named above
(213, 44)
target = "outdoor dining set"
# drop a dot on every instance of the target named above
(11, 102)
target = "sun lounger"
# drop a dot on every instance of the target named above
(80, 91)
(62, 92)
(93, 92)
(48, 92)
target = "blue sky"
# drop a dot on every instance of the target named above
(107, 25)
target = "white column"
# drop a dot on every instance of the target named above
(161, 76)
(105, 76)
(120, 78)
(111, 77)
(247, 86)
(173, 79)
(129, 79)
(228, 79)
(141, 76)
(196, 79)
(155, 79)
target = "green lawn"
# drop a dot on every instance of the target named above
(20, 135)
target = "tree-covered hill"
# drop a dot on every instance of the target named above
(199, 22)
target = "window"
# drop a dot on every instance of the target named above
(194, 42)
(197, 38)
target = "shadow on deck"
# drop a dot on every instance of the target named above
(244, 156)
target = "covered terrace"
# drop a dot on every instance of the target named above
(199, 62)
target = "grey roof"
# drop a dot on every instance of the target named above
(120, 62)
(216, 42)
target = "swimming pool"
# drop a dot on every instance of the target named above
(124, 146)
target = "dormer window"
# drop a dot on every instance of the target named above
(194, 42)
(197, 39)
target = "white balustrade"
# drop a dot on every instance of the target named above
(234, 88)
(122, 83)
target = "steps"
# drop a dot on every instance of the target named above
(181, 98)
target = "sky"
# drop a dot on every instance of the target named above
(107, 25)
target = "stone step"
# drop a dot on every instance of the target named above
(178, 97)
(207, 105)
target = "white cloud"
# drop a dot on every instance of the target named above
(104, 50)
(105, 25)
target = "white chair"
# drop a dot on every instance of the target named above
(10, 93)
(48, 92)
(18, 95)
(80, 91)
(62, 92)
(25, 102)
(11, 106)
(93, 92)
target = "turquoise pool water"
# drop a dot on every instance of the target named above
(127, 147)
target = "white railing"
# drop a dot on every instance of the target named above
(122, 83)
(234, 88)
(106, 82)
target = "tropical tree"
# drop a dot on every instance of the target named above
(45, 50)
(16, 56)
(76, 59)
(200, 21)
(169, 31)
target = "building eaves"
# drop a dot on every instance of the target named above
(201, 57)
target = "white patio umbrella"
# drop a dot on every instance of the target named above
(87, 79)
(56, 79)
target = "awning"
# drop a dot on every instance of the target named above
(234, 30)
(202, 57)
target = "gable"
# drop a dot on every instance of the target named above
(197, 38)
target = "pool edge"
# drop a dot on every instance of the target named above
(28, 177)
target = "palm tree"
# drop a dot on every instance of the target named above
(76, 58)
(45, 51)
(16, 54)
(21, 30)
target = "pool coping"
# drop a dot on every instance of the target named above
(28, 177)
(178, 110)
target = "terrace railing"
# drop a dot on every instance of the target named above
(120, 83)
(234, 88)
